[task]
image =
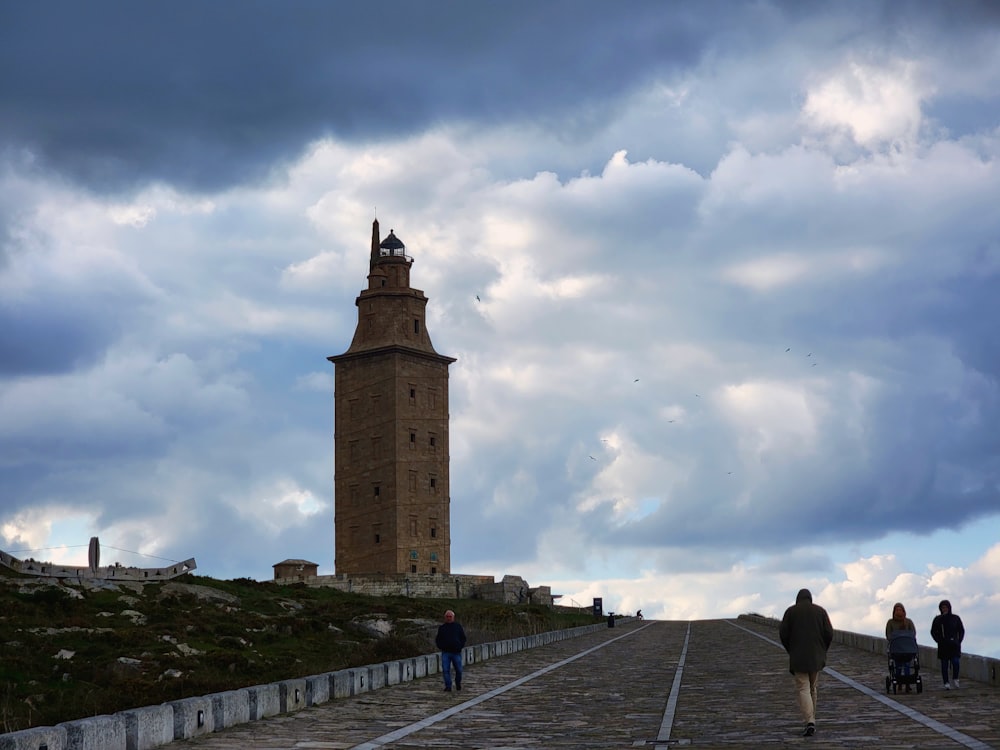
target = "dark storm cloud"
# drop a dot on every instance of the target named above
(38, 340)
(968, 311)
(207, 94)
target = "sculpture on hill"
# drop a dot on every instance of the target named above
(94, 570)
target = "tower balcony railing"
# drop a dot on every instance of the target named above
(385, 252)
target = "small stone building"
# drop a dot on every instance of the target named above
(295, 569)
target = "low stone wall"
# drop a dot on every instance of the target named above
(979, 668)
(511, 590)
(155, 726)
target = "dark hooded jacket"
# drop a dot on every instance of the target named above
(806, 634)
(948, 632)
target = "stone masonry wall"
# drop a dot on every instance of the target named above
(511, 590)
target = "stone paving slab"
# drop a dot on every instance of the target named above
(735, 692)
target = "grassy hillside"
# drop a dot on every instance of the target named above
(68, 652)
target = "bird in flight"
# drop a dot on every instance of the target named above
(477, 298)
(788, 349)
(636, 380)
(592, 458)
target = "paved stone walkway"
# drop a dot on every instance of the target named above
(704, 684)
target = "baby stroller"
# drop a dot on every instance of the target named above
(904, 662)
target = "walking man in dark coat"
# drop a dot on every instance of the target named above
(948, 632)
(806, 634)
(451, 640)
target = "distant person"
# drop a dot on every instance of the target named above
(899, 623)
(948, 633)
(638, 614)
(806, 634)
(451, 640)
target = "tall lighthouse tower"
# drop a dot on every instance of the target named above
(391, 486)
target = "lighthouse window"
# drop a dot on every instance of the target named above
(416, 325)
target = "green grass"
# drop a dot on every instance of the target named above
(259, 633)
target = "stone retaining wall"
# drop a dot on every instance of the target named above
(155, 726)
(510, 590)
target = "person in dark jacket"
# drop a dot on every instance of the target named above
(451, 640)
(948, 633)
(806, 634)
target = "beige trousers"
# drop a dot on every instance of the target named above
(805, 691)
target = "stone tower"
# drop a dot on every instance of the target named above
(391, 486)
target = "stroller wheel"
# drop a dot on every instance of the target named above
(920, 687)
(888, 684)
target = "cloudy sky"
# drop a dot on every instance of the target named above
(736, 264)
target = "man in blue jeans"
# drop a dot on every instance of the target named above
(451, 640)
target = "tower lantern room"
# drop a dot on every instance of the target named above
(390, 265)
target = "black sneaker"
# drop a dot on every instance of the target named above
(447, 689)
(458, 686)
(810, 730)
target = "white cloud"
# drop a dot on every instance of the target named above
(876, 104)
(768, 272)
(277, 504)
(861, 602)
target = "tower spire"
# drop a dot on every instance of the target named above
(375, 243)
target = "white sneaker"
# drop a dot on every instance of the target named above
(947, 686)
(954, 684)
